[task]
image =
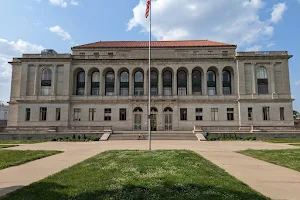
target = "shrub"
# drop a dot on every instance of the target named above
(84, 137)
(54, 139)
(73, 137)
(212, 138)
(78, 137)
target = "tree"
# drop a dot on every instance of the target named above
(295, 114)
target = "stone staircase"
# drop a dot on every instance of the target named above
(155, 135)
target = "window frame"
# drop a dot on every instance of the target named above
(122, 114)
(199, 114)
(77, 113)
(250, 114)
(266, 113)
(183, 114)
(281, 113)
(57, 114)
(27, 114)
(43, 113)
(107, 114)
(214, 114)
(230, 114)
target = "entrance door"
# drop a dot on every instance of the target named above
(168, 122)
(153, 122)
(137, 122)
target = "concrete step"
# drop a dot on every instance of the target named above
(154, 136)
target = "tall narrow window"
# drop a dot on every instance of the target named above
(46, 82)
(122, 114)
(197, 90)
(27, 114)
(57, 116)
(43, 114)
(226, 83)
(154, 83)
(109, 83)
(138, 83)
(199, 114)
(80, 83)
(107, 114)
(95, 83)
(167, 83)
(250, 114)
(262, 80)
(92, 112)
(266, 113)
(77, 112)
(183, 114)
(124, 83)
(281, 113)
(181, 83)
(230, 114)
(211, 83)
(214, 114)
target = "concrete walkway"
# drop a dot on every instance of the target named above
(271, 180)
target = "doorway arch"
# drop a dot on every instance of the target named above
(137, 123)
(168, 116)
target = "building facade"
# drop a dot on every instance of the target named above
(193, 83)
(3, 112)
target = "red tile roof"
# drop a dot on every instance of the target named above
(155, 44)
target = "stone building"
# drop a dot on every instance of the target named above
(3, 112)
(193, 83)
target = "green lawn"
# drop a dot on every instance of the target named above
(136, 175)
(7, 146)
(286, 157)
(282, 140)
(21, 141)
(295, 144)
(10, 158)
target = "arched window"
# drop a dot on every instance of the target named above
(124, 83)
(95, 83)
(154, 83)
(226, 82)
(80, 83)
(211, 83)
(138, 83)
(196, 78)
(167, 83)
(46, 81)
(262, 80)
(181, 83)
(109, 83)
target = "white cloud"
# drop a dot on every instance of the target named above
(297, 82)
(74, 3)
(61, 32)
(8, 50)
(254, 48)
(270, 44)
(278, 11)
(60, 3)
(231, 21)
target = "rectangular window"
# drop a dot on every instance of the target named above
(182, 91)
(167, 91)
(107, 114)
(124, 91)
(250, 114)
(122, 114)
(57, 114)
(266, 113)
(110, 54)
(96, 54)
(211, 91)
(43, 114)
(199, 114)
(183, 114)
(138, 91)
(230, 114)
(27, 114)
(92, 112)
(154, 91)
(82, 55)
(77, 112)
(214, 114)
(281, 113)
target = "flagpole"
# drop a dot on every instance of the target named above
(149, 75)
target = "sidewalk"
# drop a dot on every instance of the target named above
(271, 180)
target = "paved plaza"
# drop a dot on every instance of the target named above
(271, 180)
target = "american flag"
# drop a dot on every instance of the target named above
(147, 8)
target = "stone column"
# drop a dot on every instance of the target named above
(272, 70)
(220, 84)
(160, 83)
(253, 78)
(86, 84)
(100, 83)
(116, 83)
(175, 83)
(204, 87)
(54, 80)
(131, 84)
(145, 83)
(36, 79)
(190, 80)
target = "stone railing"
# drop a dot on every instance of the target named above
(46, 56)
(263, 53)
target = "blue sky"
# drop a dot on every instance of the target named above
(28, 26)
